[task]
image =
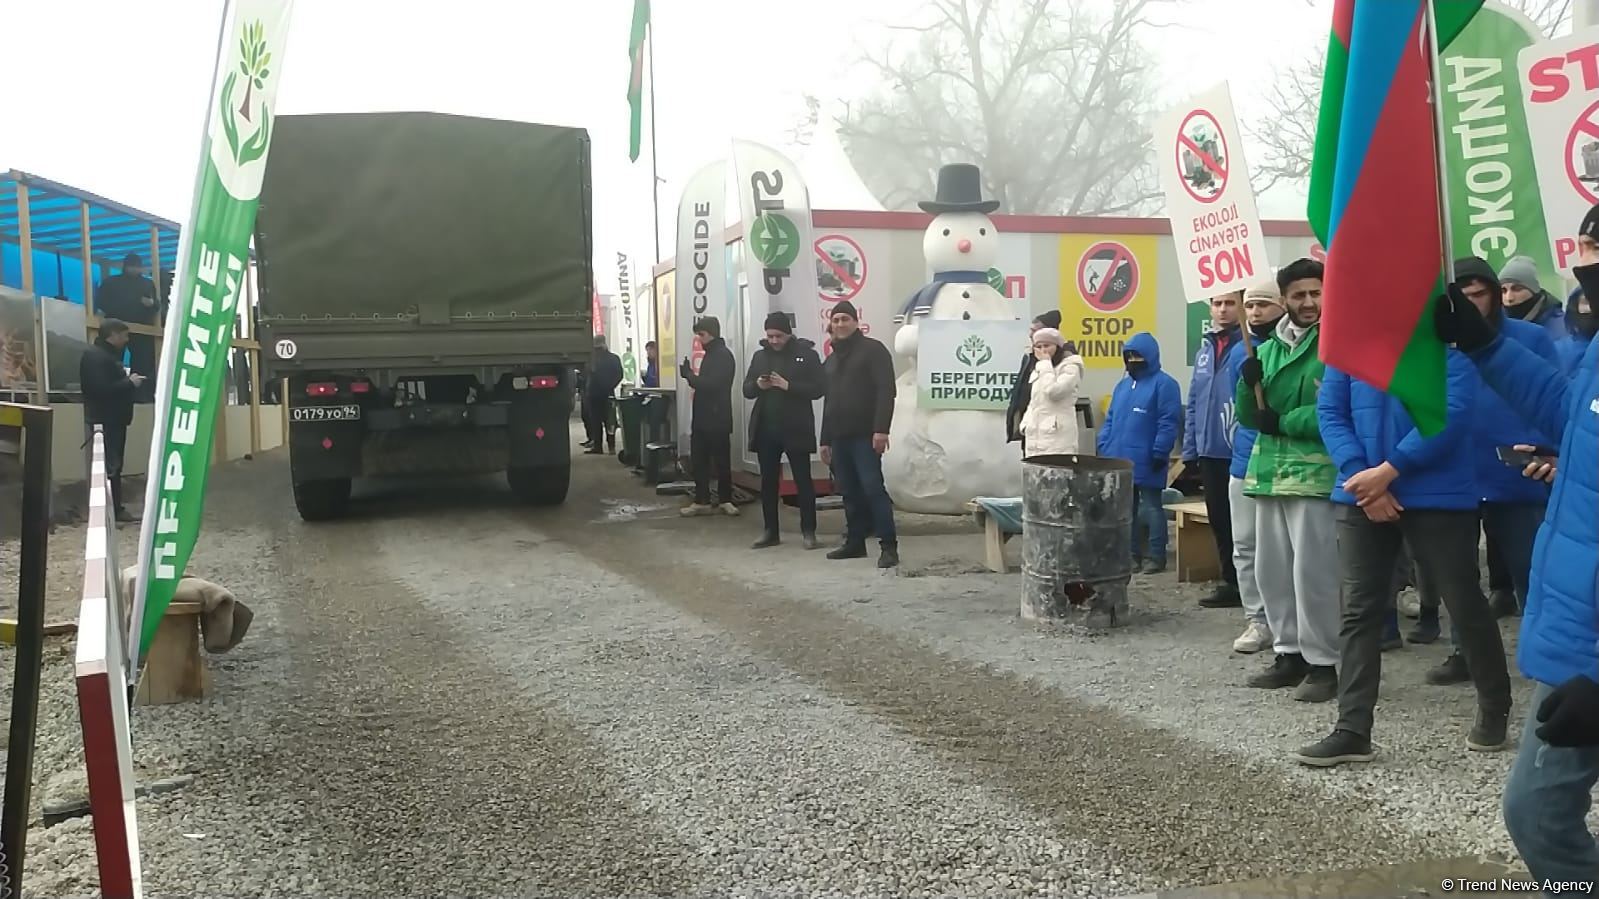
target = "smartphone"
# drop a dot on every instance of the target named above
(1517, 459)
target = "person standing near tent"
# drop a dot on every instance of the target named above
(1208, 432)
(108, 391)
(1549, 791)
(711, 424)
(130, 297)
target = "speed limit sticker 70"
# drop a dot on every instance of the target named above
(285, 349)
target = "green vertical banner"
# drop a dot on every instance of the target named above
(1494, 206)
(213, 263)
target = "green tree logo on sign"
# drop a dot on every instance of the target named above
(254, 66)
(774, 239)
(973, 352)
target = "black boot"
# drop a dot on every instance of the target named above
(769, 538)
(889, 557)
(1225, 597)
(852, 549)
(811, 541)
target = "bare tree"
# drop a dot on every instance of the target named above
(1287, 135)
(1053, 100)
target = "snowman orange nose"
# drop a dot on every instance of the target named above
(965, 246)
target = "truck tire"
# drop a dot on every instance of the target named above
(322, 500)
(541, 485)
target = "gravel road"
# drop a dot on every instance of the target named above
(451, 695)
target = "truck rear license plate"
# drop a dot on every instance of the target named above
(325, 413)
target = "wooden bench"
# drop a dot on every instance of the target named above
(175, 670)
(1196, 547)
(994, 538)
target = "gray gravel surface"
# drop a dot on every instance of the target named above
(451, 695)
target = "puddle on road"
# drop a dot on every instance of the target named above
(617, 510)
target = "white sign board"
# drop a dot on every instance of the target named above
(1560, 91)
(968, 364)
(1199, 153)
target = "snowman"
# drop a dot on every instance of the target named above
(939, 459)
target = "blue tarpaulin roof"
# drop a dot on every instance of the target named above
(54, 209)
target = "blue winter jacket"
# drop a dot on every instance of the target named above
(1145, 414)
(1209, 418)
(1570, 350)
(1494, 423)
(1243, 438)
(1553, 317)
(1364, 427)
(1559, 631)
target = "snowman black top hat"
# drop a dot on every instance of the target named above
(960, 189)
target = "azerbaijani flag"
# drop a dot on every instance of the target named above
(1374, 199)
(635, 85)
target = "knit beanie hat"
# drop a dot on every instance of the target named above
(1473, 268)
(1050, 319)
(1265, 290)
(1590, 224)
(846, 308)
(1048, 335)
(1521, 270)
(778, 321)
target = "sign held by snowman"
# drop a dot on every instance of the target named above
(960, 343)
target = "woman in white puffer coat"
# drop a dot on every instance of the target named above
(1049, 426)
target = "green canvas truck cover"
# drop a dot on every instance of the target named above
(425, 220)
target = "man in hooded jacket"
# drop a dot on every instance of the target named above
(784, 378)
(711, 425)
(1141, 426)
(1549, 792)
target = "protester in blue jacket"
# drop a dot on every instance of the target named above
(1141, 425)
(1208, 432)
(1526, 300)
(1581, 324)
(1398, 488)
(1263, 306)
(1549, 791)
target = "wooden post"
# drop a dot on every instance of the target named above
(25, 227)
(155, 276)
(219, 451)
(88, 263)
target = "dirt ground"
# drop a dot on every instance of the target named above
(447, 693)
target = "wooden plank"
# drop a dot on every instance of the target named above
(1197, 561)
(252, 356)
(88, 260)
(8, 630)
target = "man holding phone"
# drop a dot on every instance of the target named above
(108, 394)
(1549, 792)
(711, 421)
(784, 379)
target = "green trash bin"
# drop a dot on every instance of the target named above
(631, 410)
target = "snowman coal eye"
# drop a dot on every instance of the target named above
(966, 294)
(966, 316)
(946, 232)
(982, 232)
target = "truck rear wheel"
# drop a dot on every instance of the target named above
(541, 485)
(322, 500)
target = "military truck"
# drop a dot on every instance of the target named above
(426, 291)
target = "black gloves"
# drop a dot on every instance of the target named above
(1570, 715)
(1458, 321)
(1269, 421)
(1252, 372)
(686, 370)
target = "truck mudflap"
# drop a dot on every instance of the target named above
(325, 450)
(540, 428)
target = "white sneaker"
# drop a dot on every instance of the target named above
(729, 510)
(1254, 638)
(694, 509)
(1410, 603)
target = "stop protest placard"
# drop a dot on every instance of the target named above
(1560, 92)
(1214, 222)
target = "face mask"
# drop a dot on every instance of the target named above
(1585, 324)
(1264, 329)
(1136, 367)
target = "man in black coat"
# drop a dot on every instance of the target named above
(855, 422)
(784, 378)
(131, 297)
(711, 424)
(604, 376)
(108, 391)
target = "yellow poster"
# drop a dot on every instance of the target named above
(1107, 293)
(666, 329)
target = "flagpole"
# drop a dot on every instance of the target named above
(1440, 158)
(655, 173)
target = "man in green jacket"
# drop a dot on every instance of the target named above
(1291, 478)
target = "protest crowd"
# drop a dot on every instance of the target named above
(1295, 458)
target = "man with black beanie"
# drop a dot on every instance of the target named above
(784, 378)
(855, 423)
(108, 393)
(711, 424)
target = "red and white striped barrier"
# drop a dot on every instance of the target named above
(102, 678)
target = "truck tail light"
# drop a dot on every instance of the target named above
(323, 388)
(361, 387)
(543, 382)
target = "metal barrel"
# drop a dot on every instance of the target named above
(1077, 517)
